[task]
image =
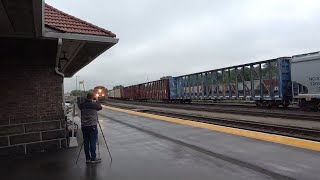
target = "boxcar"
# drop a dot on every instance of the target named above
(118, 93)
(131, 92)
(155, 90)
(111, 94)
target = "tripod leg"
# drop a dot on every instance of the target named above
(79, 153)
(98, 148)
(105, 141)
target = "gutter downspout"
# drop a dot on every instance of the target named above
(60, 73)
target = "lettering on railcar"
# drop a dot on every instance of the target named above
(315, 81)
(315, 78)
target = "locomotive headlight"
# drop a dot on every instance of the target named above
(102, 94)
(97, 95)
(100, 90)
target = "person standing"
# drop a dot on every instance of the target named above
(89, 121)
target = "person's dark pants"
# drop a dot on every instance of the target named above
(90, 138)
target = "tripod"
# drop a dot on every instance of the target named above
(105, 141)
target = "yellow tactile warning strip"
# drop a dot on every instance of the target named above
(312, 145)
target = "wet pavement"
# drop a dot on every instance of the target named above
(143, 148)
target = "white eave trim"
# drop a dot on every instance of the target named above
(81, 37)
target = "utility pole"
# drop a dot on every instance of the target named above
(77, 82)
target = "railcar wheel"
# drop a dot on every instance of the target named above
(258, 103)
(315, 107)
(285, 105)
(276, 105)
(264, 104)
(270, 104)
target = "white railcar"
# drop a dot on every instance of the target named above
(305, 75)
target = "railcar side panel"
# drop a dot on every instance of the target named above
(306, 80)
(118, 93)
(155, 90)
(173, 88)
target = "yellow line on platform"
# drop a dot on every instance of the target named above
(307, 144)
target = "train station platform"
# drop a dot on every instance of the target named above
(146, 148)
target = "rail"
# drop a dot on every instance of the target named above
(234, 109)
(291, 131)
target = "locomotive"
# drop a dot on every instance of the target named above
(100, 93)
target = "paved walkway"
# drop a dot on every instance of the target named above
(143, 148)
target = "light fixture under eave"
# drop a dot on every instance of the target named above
(63, 61)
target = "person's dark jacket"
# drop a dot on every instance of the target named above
(89, 115)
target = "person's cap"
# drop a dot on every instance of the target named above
(89, 95)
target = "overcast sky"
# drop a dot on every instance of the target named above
(176, 37)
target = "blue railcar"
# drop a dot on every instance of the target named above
(265, 82)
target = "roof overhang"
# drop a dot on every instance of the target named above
(79, 49)
(26, 19)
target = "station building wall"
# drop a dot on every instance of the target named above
(31, 113)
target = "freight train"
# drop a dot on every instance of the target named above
(100, 93)
(281, 81)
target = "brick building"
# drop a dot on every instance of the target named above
(39, 46)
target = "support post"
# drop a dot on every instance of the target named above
(270, 81)
(237, 87)
(261, 83)
(229, 81)
(243, 82)
(252, 81)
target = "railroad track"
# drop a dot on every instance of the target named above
(247, 105)
(291, 131)
(311, 116)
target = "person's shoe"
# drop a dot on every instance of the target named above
(88, 161)
(97, 160)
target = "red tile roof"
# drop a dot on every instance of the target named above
(66, 23)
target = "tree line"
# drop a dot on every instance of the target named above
(80, 92)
